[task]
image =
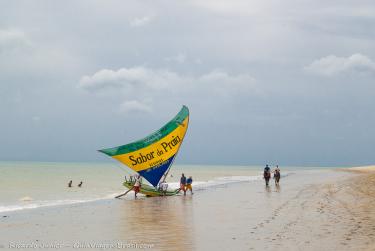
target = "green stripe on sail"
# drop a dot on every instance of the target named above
(152, 138)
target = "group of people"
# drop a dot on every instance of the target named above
(186, 184)
(71, 183)
(276, 175)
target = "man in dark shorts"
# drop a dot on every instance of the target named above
(267, 174)
(183, 183)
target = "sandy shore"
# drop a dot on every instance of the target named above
(337, 214)
(311, 210)
(362, 168)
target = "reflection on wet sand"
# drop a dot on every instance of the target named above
(268, 188)
(277, 188)
(165, 222)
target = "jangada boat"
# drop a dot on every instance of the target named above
(153, 156)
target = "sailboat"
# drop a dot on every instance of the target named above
(153, 156)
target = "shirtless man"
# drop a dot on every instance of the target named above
(267, 174)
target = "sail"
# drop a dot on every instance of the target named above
(152, 156)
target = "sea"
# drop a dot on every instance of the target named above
(33, 185)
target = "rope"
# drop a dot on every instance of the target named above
(123, 168)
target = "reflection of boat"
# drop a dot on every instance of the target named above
(168, 224)
(152, 157)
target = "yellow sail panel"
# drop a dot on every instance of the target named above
(156, 153)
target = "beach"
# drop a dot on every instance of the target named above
(311, 210)
(166, 125)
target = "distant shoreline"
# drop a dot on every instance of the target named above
(360, 169)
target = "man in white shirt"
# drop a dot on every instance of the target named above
(137, 185)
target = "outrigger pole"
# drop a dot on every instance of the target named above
(123, 194)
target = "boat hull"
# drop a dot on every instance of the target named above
(151, 191)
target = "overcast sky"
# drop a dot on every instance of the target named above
(288, 82)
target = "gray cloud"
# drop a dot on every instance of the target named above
(180, 58)
(140, 21)
(333, 65)
(11, 39)
(153, 84)
(135, 106)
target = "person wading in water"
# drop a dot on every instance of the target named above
(183, 183)
(277, 175)
(189, 183)
(267, 174)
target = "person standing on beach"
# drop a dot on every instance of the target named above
(277, 175)
(137, 185)
(189, 182)
(267, 174)
(183, 183)
(70, 183)
(80, 184)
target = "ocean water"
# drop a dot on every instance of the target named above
(30, 185)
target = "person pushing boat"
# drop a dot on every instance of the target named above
(137, 185)
(267, 174)
(183, 183)
(189, 183)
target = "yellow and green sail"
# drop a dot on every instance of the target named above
(152, 156)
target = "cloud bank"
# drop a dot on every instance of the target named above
(12, 39)
(333, 65)
(137, 84)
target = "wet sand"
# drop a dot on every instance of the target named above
(311, 210)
